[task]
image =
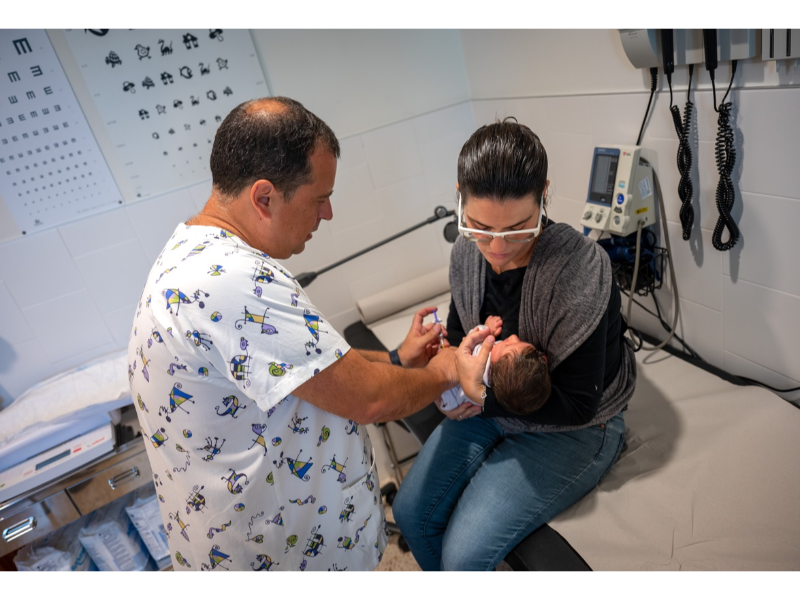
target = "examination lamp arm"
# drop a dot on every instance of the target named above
(440, 212)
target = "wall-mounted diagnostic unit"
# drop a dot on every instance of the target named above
(620, 192)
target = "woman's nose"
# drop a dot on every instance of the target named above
(497, 243)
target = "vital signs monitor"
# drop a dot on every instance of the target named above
(620, 191)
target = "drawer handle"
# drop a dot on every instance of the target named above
(21, 528)
(117, 479)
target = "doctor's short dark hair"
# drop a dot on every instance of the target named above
(521, 382)
(274, 144)
(502, 161)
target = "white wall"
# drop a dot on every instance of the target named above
(740, 310)
(399, 102)
(360, 80)
(403, 103)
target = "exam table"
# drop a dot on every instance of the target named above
(708, 480)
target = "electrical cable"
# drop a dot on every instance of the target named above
(671, 266)
(691, 354)
(764, 385)
(685, 187)
(725, 154)
(664, 324)
(635, 276)
(731, 377)
(653, 86)
(689, 349)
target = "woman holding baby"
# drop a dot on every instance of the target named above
(495, 471)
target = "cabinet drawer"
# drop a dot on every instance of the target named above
(111, 483)
(35, 521)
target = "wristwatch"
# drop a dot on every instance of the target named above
(394, 357)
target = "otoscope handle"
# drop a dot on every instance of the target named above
(710, 50)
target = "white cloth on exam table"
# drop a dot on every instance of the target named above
(455, 397)
(63, 407)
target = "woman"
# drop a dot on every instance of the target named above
(481, 485)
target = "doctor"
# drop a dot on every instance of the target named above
(251, 404)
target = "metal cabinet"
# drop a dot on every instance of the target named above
(35, 518)
(30, 517)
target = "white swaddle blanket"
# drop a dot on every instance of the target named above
(455, 396)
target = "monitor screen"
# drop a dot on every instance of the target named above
(604, 175)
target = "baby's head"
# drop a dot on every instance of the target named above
(519, 376)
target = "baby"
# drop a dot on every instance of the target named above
(516, 371)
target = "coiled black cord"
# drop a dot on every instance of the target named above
(725, 154)
(685, 187)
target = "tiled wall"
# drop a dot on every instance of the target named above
(68, 295)
(740, 310)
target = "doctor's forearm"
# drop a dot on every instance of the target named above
(375, 356)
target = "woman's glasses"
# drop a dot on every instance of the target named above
(520, 236)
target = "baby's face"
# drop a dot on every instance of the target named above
(510, 345)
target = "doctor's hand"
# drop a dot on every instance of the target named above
(422, 342)
(471, 368)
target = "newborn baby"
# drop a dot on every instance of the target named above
(516, 371)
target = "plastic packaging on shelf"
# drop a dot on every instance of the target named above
(146, 517)
(112, 541)
(60, 550)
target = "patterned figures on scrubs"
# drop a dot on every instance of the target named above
(248, 476)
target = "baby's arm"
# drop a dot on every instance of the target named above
(495, 325)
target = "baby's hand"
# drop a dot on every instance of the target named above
(495, 325)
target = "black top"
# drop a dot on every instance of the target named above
(577, 383)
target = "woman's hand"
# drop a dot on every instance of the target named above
(470, 373)
(422, 341)
(464, 411)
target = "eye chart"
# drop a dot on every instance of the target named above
(162, 94)
(51, 168)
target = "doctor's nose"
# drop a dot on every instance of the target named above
(326, 212)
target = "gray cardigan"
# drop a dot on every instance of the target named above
(565, 292)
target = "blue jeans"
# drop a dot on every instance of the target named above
(474, 492)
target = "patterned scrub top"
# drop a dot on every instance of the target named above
(248, 476)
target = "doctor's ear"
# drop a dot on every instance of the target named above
(260, 194)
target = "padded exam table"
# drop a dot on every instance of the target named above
(709, 480)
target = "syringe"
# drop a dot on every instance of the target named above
(441, 335)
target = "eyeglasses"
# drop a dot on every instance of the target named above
(519, 236)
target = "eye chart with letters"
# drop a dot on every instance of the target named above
(162, 94)
(51, 167)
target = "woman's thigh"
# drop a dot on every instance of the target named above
(439, 474)
(524, 482)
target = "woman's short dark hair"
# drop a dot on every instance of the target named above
(275, 144)
(502, 161)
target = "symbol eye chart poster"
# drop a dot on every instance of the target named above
(51, 167)
(162, 94)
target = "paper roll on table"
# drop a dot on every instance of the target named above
(395, 299)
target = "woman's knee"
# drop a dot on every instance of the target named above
(466, 557)
(405, 509)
